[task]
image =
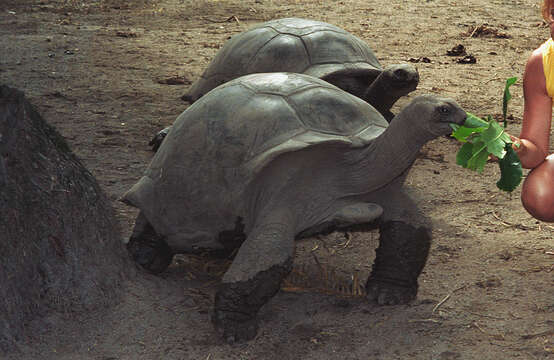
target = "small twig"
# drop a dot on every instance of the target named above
(440, 303)
(345, 244)
(505, 223)
(492, 79)
(499, 219)
(229, 19)
(497, 336)
(476, 29)
(445, 299)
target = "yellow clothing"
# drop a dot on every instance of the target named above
(548, 65)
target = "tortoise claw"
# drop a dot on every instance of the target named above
(234, 329)
(389, 294)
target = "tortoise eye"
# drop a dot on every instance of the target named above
(444, 109)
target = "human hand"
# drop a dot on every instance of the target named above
(516, 145)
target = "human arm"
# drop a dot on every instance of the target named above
(532, 144)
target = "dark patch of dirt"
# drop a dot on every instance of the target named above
(110, 74)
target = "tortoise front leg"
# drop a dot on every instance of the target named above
(400, 258)
(403, 248)
(255, 276)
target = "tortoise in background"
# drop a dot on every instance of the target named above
(308, 47)
(313, 48)
(278, 156)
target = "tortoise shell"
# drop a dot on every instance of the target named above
(289, 45)
(197, 183)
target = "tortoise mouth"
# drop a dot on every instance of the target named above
(457, 117)
(445, 124)
(405, 78)
(459, 121)
(405, 84)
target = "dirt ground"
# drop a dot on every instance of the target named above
(109, 74)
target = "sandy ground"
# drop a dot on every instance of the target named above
(99, 71)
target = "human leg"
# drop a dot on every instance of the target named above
(537, 193)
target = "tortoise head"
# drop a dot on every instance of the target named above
(431, 116)
(401, 79)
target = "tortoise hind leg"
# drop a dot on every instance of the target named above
(255, 276)
(147, 248)
(400, 258)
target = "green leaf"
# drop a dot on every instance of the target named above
(510, 170)
(494, 140)
(463, 133)
(479, 157)
(464, 154)
(473, 121)
(481, 142)
(472, 124)
(506, 98)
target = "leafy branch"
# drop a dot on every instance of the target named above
(483, 138)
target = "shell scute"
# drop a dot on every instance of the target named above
(236, 55)
(287, 53)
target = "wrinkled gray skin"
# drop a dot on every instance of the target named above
(309, 47)
(268, 158)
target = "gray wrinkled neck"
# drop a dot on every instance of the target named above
(379, 95)
(385, 158)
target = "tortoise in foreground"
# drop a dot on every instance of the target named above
(268, 158)
(309, 47)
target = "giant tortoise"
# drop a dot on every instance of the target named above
(309, 47)
(267, 158)
(314, 48)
